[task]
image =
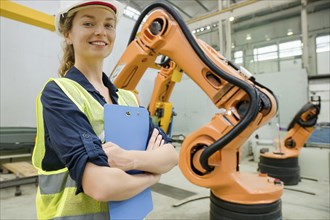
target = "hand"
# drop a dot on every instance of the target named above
(118, 157)
(156, 140)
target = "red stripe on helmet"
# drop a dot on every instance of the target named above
(98, 3)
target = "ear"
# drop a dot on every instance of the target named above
(67, 37)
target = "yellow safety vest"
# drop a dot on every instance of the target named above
(56, 197)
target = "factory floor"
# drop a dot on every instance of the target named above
(176, 198)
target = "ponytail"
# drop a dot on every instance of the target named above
(68, 51)
(67, 60)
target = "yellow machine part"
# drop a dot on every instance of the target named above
(165, 120)
(26, 15)
(176, 75)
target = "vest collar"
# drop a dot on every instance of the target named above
(75, 75)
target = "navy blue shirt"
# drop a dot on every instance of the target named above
(70, 140)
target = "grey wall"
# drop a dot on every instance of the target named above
(29, 56)
(291, 91)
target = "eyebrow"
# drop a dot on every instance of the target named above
(93, 17)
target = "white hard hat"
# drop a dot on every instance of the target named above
(74, 6)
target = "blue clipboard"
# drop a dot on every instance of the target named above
(128, 127)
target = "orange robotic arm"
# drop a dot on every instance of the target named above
(283, 163)
(299, 130)
(209, 157)
(160, 107)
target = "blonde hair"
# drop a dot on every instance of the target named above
(68, 59)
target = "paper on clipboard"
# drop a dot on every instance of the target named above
(128, 127)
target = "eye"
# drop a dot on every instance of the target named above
(109, 26)
(88, 24)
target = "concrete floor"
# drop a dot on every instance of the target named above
(309, 200)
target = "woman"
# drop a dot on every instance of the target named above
(79, 173)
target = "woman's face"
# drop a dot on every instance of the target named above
(93, 33)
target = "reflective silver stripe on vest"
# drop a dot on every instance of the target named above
(51, 184)
(96, 216)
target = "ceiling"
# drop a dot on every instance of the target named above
(188, 9)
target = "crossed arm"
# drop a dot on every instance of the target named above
(158, 158)
(113, 183)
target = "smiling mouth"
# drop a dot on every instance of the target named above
(98, 43)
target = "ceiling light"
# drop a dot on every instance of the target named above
(289, 32)
(248, 37)
(131, 12)
(232, 45)
(231, 18)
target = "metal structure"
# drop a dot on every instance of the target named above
(210, 156)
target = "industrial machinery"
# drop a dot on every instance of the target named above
(160, 108)
(283, 163)
(210, 156)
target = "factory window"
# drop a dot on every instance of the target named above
(238, 57)
(323, 44)
(323, 54)
(131, 12)
(290, 49)
(265, 53)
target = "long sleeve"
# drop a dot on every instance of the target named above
(69, 134)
